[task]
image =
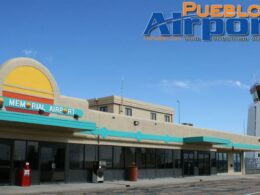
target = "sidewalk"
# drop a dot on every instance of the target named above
(112, 185)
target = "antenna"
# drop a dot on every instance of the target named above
(122, 94)
(244, 124)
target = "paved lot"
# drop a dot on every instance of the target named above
(229, 185)
(236, 186)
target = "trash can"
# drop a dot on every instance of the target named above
(133, 172)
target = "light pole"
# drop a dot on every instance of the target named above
(179, 111)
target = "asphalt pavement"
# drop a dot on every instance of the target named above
(223, 184)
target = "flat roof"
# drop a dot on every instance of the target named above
(131, 103)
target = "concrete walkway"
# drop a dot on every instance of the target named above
(112, 185)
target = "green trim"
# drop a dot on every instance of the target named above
(91, 129)
(46, 120)
(205, 139)
(139, 136)
(242, 146)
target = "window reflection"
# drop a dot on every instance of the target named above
(19, 153)
(118, 157)
(105, 154)
(129, 156)
(222, 162)
(32, 154)
(90, 155)
(76, 156)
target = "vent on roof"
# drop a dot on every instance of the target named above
(187, 124)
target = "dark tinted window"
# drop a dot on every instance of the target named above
(19, 153)
(118, 157)
(177, 158)
(222, 162)
(237, 162)
(76, 156)
(90, 155)
(153, 116)
(129, 156)
(32, 154)
(103, 109)
(140, 157)
(213, 159)
(150, 158)
(168, 159)
(258, 95)
(160, 158)
(105, 154)
(167, 118)
(128, 111)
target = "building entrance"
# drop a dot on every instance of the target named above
(204, 163)
(188, 163)
(52, 163)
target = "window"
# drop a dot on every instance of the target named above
(177, 159)
(160, 158)
(213, 159)
(19, 153)
(168, 159)
(118, 157)
(76, 156)
(153, 116)
(105, 154)
(90, 155)
(237, 162)
(150, 158)
(164, 158)
(222, 162)
(167, 118)
(140, 157)
(32, 155)
(129, 156)
(128, 111)
(103, 109)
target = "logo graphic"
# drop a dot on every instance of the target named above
(28, 90)
(209, 22)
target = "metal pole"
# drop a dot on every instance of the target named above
(122, 96)
(179, 111)
(244, 126)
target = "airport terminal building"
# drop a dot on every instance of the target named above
(61, 137)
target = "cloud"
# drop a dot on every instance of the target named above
(197, 85)
(29, 52)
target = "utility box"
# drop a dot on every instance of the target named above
(98, 172)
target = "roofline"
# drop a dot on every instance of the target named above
(128, 101)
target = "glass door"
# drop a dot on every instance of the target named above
(52, 162)
(5, 162)
(204, 163)
(188, 163)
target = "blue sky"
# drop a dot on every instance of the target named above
(90, 45)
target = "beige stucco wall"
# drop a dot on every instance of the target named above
(140, 109)
(118, 122)
(122, 123)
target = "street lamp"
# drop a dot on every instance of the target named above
(179, 111)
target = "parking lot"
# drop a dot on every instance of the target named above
(241, 186)
(228, 185)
